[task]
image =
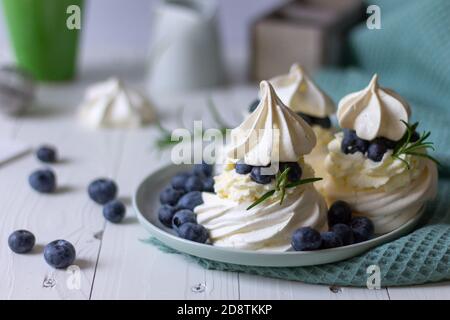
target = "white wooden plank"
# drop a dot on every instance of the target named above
(260, 288)
(68, 214)
(434, 291)
(130, 269)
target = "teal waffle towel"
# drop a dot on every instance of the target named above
(411, 54)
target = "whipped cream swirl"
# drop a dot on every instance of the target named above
(272, 133)
(374, 112)
(266, 227)
(387, 191)
(112, 104)
(300, 93)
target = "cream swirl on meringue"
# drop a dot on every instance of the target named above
(267, 227)
(300, 93)
(374, 112)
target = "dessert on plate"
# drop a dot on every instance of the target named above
(272, 139)
(299, 92)
(379, 164)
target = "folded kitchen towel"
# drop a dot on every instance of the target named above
(411, 55)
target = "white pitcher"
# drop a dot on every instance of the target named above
(185, 54)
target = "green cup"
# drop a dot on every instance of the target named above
(44, 36)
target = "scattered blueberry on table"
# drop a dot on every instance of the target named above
(102, 190)
(114, 211)
(43, 181)
(59, 254)
(47, 154)
(306, 239)
(21, 241)
(193, 231)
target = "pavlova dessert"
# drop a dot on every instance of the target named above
(379, 164)
(299, 92)
(265, 192)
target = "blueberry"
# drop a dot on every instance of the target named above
(376, 150)
(305, 239)
(170, 196)
(114, 211)
(243, 168)
(21, 241)
(309, 120)
(43, 181)
(363, 228)
(179, 180)
(165, 215)
(59, 254)
(182, 217)
(390, 144)
(339, 212)
(208, 184)
(46, 154)
(102, 190)
(194, 232)
(344, 232)
(190, 200)
(256, 176)
(295, 172)
(351, 143)
(323, 122)
(330, 240)
(203, 169)
(194, 183)
(252, 107)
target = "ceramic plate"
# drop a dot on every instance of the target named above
(146, 204)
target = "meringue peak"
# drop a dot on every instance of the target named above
(374, 112)
(299, 92)
(272, 133)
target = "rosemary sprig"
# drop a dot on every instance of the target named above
(165, 140)
(282, 183)
(406, 147)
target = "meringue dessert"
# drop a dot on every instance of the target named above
(270, 140)
(111, 104)
(300, 93)
(378, 164)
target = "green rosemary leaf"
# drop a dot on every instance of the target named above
(263, 198)
(402, 160)
(300, 182)
(282, 177)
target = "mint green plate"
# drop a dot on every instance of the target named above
(146, 204)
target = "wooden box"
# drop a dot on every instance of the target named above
(311, 32)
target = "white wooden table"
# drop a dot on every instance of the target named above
(114, 264)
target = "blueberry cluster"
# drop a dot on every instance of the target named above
(311, 120)
(256, 172)
(179, 199)
(59, 253)
(104, 191)
(344, 230)
(375, 149)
